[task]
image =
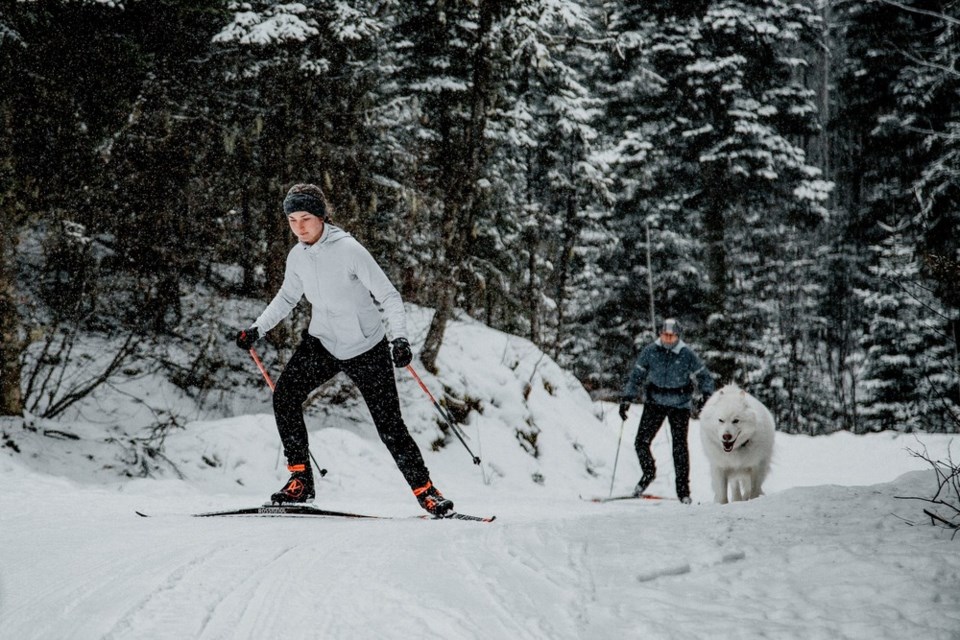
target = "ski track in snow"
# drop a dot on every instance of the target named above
(811, 561)
(763, 569)
(827, 554)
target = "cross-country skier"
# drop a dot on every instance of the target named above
(344, 285)
(668, 367)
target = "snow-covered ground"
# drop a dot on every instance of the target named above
(831, 551)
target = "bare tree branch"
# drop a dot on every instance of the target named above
(51, 387)
(925, 12)
(947, 496)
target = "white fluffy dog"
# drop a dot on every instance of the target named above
(737, 433)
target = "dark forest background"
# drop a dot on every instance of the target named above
(782, 177)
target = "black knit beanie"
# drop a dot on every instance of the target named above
(304, 202)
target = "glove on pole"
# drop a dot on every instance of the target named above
(266, 376)
(613, 476)
(443, 413)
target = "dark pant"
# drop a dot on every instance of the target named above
(372, 372)
(650, 423)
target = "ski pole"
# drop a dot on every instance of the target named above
(273, 387)
(443, 413)
(263, 369)
(616, 458)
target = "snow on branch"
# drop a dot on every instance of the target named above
(280, 23)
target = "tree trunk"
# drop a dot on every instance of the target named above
(11, 342)
(718, 330)
(438, 325)
(12, 335)
(650, 293)
(571, 233)
(459, 193)
(533, 287)
(247, 257)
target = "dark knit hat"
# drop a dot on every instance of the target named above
(670, 325)
(304, 202)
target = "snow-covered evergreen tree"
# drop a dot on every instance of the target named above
(488, 119)
(616, 311)
(910, 374)
(899, 103)
(709, 101)
(547, 181)
(894, 340)
(443, 58)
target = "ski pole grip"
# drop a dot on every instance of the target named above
(263, 370)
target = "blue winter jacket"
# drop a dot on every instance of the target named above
(668, 374)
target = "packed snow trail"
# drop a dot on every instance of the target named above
(815, 562)
(829, 552)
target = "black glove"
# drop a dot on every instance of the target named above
(247, 337)
(624, 408)
(401, 353)
(698, 406)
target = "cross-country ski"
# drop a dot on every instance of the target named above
(629, 496)
(306, 510)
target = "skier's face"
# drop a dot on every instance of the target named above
(668, 339)
(307, 227)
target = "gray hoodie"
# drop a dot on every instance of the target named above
(344, 285)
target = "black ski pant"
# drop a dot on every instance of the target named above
(372, 372)
(650, 423)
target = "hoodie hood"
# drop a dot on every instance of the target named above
(331, 234)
